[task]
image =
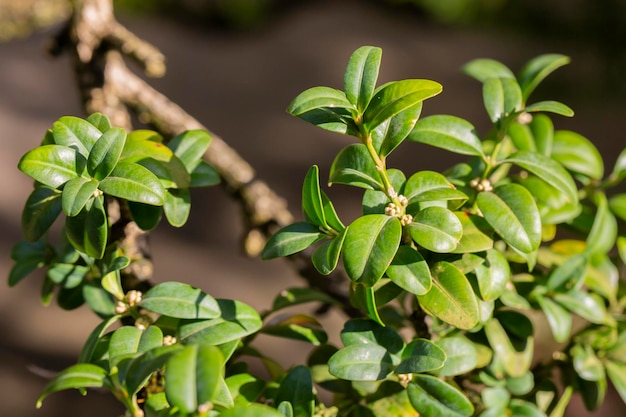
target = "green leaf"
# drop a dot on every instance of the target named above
(586, 364)
(42, 208)
(146, 216)
(190, 147)
(617, 204)
(312, 204)
(436, 229)
(100, 121)
(76, 193)
(476, 234)
(237, 320)
(451, 297)
(483, 69)
(603, 233)
(331, 215)
(177, 206)
(409, 271)
(295, 296)
(619, 169)
(192, 377)
(75, 133)
(179, 300)
(431, 396)
(617, 374)
(338, 120)
(128, 340)
(142, 367)
(88, 230)
(252, 410)
(502, 97)
(106, 152)
(448, 132)
(171, 173)
(419, 356)
(52, 165)
(204, 175)
(395, 97)
(318, 97)
(511, 210)
(569, 273)
(369, 247)
(89, 348)
(588, 306)
(550, 107)
(559, 319)
(516, 358)
(362, 362)
(360, 331)
(354, 166)
(375, 201)
(493, 275)
(548, 170)
(79, 376)
(326, 256)
(297, 389)
(245, 388)
(361, 74)
(99, 300)
(392, 132)
(291, 239)
(461, 356)
(543, 133)
(522, 137)
(297, 327)
(537, 69)
(577, 154)
(67, 275)
(134, 182)
(426, 187)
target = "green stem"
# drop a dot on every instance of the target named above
(381, 167)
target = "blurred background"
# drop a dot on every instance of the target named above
(235, 65)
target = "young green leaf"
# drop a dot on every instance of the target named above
(291, 239)
(483, 69)
(395, 97)
(603, 233)
(511, 210)
(550, 106)
(75, 133)
(297, 389)
(409, 271)
(502, 97)
(419, 356)
(318, 97)
(361, 74)
(97, 334)
(451, 297)
(448, 132)
(237, 320)
(354, 166)
(577, 154)
(180, 300)
(190, 147)
(106, 152)
(326, 256)
(516, 358)
(430, 396)
(371, 243)
(133, 182)
(76, 193)
(177, 206)
(312, 204)
(436, 229)
(537, 69)
(192, 376)
(619, 169)
(79, 376)
(42, 208)
(52, 165)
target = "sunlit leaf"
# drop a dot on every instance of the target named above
(409, 270)
(482, 69)
(419, 356)
(436, 229)
(312, 198)
(297, 389)
(361, 74)
(190, 147)
(577, 154)
(106, 152)
(461, 356)
(176, 299)
(52, 165)
(354, 166)
(362, 362)
(75, 133)
(448, 132)
(134, 182)
(318, 97)
(537, 69)
(501, 96)
(79, 376)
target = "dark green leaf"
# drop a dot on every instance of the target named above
(79, 376)
(179, 300)
(75, 133)
(360, 77)
(431, 396)
(52, 165)
(326, 256)
(312, 198)
(76, 193)
(291, 239)
(245, 388)
(451, 297)
(177, 206)
(190, 147)
(548, 170)
(369, 247)
(204, 175)
(106, 152)
(318, 97)
(134, 182)
(331, 215)
(88, 230)
(146, 216)
(511, 210)
(237, 320)
(436, 229)
(99, 300)
(338, 120)
(297, 327)
(502, 97)
(551, 107)
(67, 275)
(362, 362)
(484, 68)
(389, 134)
(461, 355)
(448, 132)
(419, 356)
(297, 389)
(192, 377)
(354, 166)
(410, 271)
(537, 69)
(395, 97)
(42, 208)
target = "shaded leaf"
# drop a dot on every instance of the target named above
(326, 256)
(42, 208)
(537, 69)
(295, 296)
(291, 239)
(82, 375)
(354, 166)
(431, 396)
(297, 327)
(392, 132)
(76, 193)
(476, 234)
(318, 97)
(550, 106)
(297, 389)
(312, 198)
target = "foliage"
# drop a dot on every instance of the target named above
(452, 270)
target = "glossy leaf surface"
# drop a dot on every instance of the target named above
(134, 182)
(447, 132)
(291, 239)
(501, 96)
(42, 208)
(537, 69)
(360, 77)
(436, 229)
(297, 389)
(52, 165)
(75, 133)
(106, 152)
(419, 356)
(76, 193)
(409, 271)
(82, 375)
(354, 166)
(431, 396)
(180, 300)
